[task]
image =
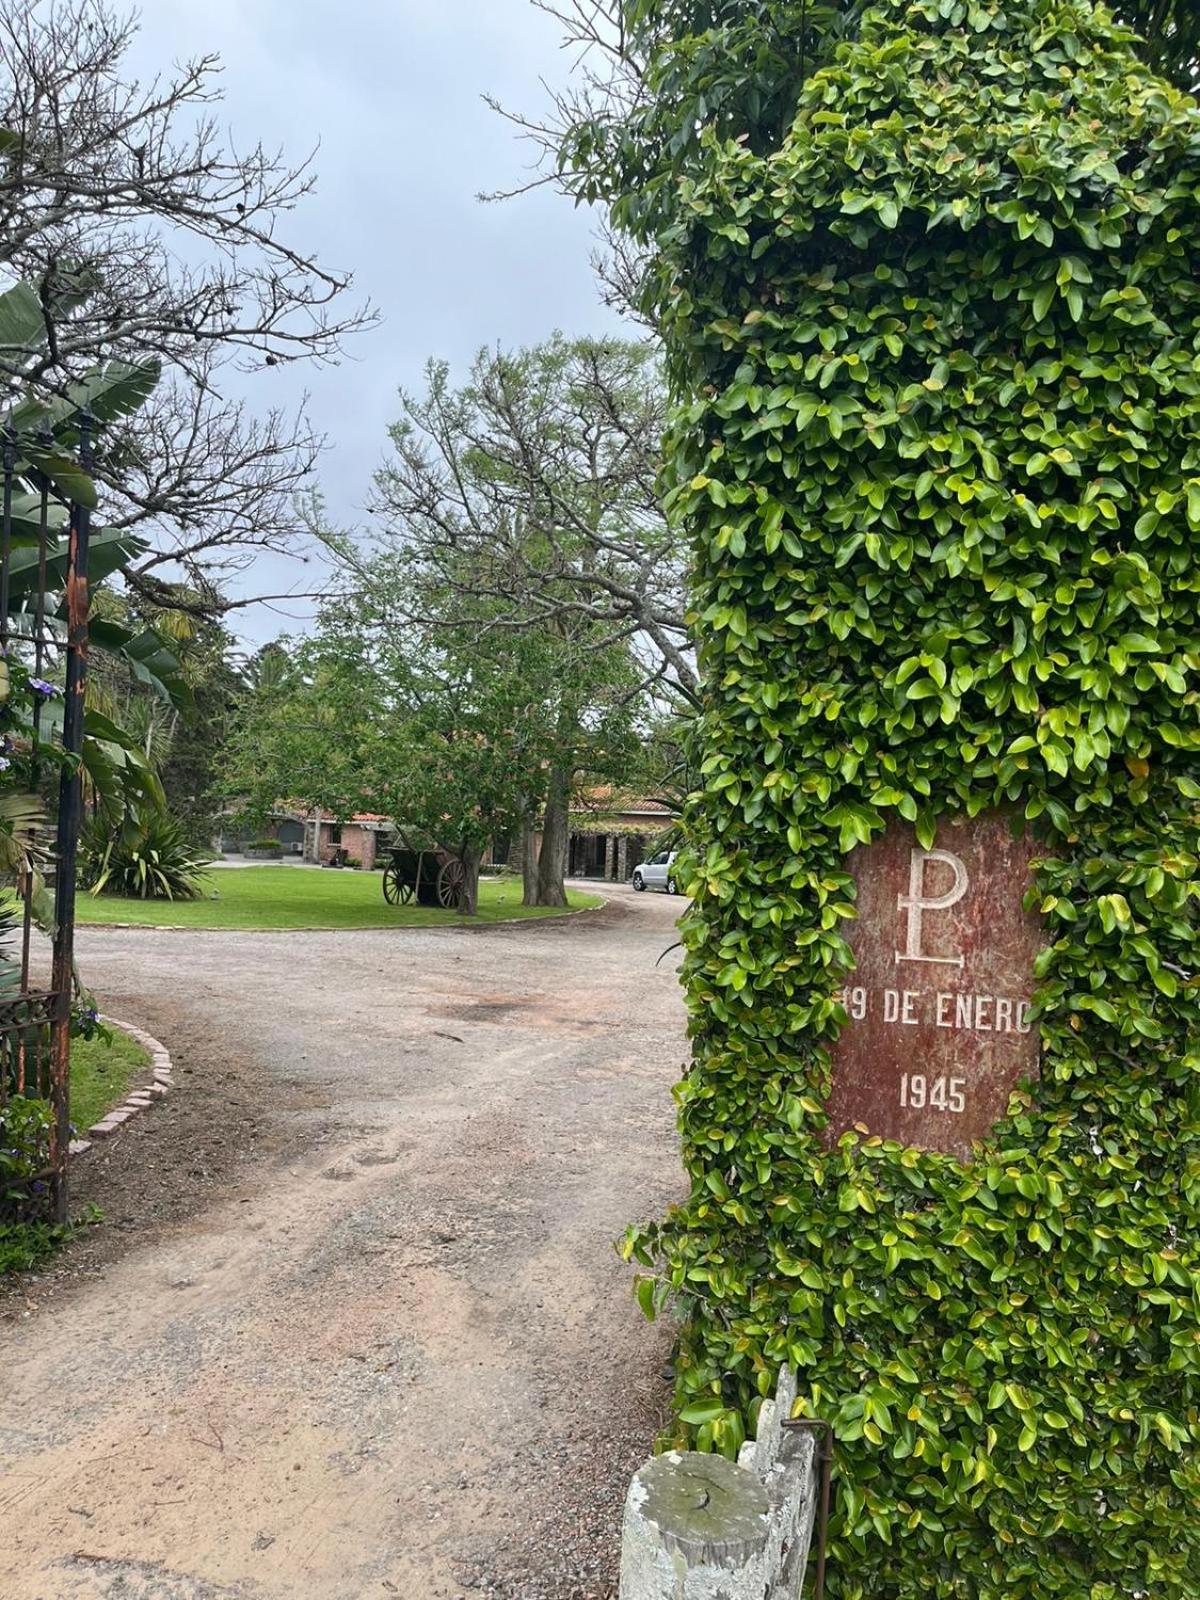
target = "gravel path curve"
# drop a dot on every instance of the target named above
(354, 1326)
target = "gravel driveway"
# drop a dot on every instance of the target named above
(354, 1325)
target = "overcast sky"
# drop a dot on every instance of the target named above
(392, 91)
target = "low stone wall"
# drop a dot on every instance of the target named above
(699, 1527)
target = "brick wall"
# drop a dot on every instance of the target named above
(360, 843)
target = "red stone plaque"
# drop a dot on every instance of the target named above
(939, 1031)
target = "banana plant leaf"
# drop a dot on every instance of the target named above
(109, 392)
(121, 776)
(67, 476)
(22, 320)
(146, 656)
(108, 551)
(22, 325)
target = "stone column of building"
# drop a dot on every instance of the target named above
(610, 857)
(622, 859)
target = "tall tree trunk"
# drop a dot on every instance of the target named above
(556, 838)
(470, 857)
(529, 858)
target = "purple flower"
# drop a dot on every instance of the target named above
(5, 763)
(40, 686)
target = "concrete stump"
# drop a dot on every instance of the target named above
(696, 1527)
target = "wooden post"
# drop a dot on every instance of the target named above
(698, 1527)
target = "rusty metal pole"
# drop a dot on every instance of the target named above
(824, 1433)
(70, 808)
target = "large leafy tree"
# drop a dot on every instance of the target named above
(522, 522)
(937, 449)
(368, 718)
(457, 734)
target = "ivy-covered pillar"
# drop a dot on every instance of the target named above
(940, 452)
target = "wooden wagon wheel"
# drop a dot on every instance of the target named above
(397, 891)
(452, 881)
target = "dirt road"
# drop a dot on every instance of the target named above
(354, 1326)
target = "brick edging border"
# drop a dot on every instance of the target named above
(138, 1099)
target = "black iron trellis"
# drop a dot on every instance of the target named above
(35, 1021)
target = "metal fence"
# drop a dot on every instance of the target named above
(44, 626)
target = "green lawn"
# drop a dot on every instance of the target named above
(261, 898)
(100, 1075)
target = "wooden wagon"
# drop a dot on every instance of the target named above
(429, 877)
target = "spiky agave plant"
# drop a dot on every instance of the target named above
(148, 858)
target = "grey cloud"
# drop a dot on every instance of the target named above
(392, 93)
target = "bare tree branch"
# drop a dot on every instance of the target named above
(149, 238)
(535, 489)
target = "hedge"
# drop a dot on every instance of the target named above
(939, 451)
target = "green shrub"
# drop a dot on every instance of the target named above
(24, 1245)
(24, 1155)
(26, 1238)
(148, 858)
(273, 845)
(943, 468)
